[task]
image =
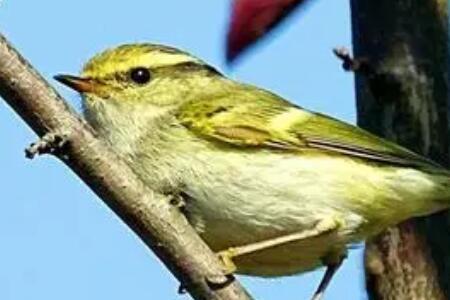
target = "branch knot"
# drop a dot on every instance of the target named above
(50, 143)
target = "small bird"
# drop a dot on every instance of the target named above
(273, 188)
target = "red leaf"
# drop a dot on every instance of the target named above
(252, 19)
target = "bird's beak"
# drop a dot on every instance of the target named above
(79, 84)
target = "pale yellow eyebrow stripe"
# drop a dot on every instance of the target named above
(153, 59)
(161, 59)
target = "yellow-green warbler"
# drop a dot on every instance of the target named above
(273, 188)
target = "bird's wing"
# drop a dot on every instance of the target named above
(254, 118)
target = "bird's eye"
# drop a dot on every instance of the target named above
(140, 75)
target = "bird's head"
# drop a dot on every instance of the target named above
(141, 74)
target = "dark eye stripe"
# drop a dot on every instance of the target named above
(124, 77)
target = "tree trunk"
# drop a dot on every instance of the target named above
(405, 99)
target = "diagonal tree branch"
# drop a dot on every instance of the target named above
(150, 215)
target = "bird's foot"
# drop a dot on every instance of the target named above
(226, 257)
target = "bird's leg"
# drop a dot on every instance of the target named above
(321, 228)
(332, 267)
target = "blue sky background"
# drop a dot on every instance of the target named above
(58, 241)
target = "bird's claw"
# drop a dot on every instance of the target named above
(226, 257)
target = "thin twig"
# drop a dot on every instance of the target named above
(351, 64)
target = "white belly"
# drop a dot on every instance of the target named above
(239, 199)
